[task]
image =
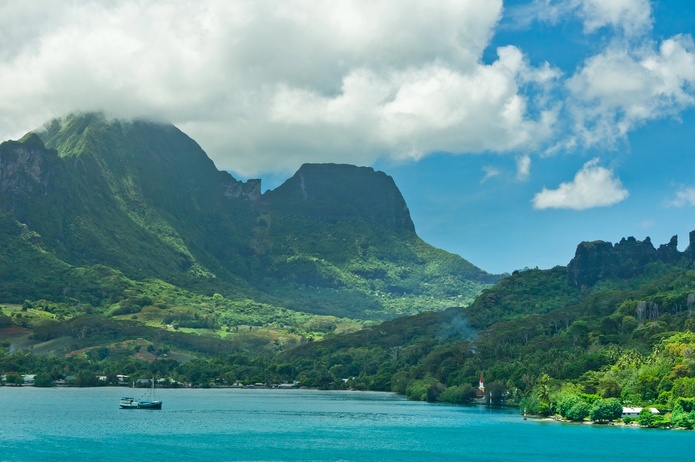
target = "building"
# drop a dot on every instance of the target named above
(635, 411)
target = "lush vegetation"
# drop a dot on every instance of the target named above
(109, 202)
(593, 350)
(124, 251)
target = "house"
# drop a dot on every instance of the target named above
(634, 411)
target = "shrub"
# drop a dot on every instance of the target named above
(681, 418)
(427, 389)
(458, 395)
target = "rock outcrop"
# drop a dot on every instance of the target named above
(332, 193)
(598, 260)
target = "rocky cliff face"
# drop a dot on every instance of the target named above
(22, 168)
(597, 260)
(333, 193)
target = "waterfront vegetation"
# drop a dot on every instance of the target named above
(592, 352)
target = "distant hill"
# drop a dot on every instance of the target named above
(97, 215)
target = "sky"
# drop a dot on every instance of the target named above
(514, 129)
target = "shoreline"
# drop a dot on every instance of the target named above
(616, 423)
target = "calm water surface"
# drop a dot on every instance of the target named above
(301, 425)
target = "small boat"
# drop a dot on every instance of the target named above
(147, 401)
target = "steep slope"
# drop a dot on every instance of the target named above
(143, 201)
(150, 200)
(347, 228)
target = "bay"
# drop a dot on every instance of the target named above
(62, 424)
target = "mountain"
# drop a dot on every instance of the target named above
(598, 260)
(541, 339)
(96, 212)
(123, 243)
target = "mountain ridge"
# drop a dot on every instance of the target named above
(144, 199)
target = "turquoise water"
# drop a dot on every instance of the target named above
(301, 425)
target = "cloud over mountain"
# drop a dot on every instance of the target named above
(265, 86)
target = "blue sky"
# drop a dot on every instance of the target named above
(515, 129)
(492, 222)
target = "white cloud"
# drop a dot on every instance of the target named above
(523, 167)
(685, 196)
(633, 17)
(265, 85)
(630, 18)
(593, 186)
(618, 90)
(631, 80)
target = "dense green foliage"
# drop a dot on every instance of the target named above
(583, 360)
(109, 202)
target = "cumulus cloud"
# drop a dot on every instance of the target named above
(628, 17)
(593, 186)
(632, 78)
(265, 85)
(633, 17)
(618, 90)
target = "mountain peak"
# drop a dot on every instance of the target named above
(597, 260)
(335, 192)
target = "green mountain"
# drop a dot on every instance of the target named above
(131, 219)
(121, 242)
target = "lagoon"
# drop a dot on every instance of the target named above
(77, 424)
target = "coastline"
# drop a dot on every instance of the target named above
(615, 423)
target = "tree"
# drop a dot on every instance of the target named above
(605, 410)
(542, 391)
(427, 389)
(579, 411)
(458, 394)
(654, 420)
(564, 406)
(86, 379)
(496, 391)
(43, 379)
(14, 379)
(681, 418)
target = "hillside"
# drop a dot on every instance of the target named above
(540, 338)
(131, 220)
